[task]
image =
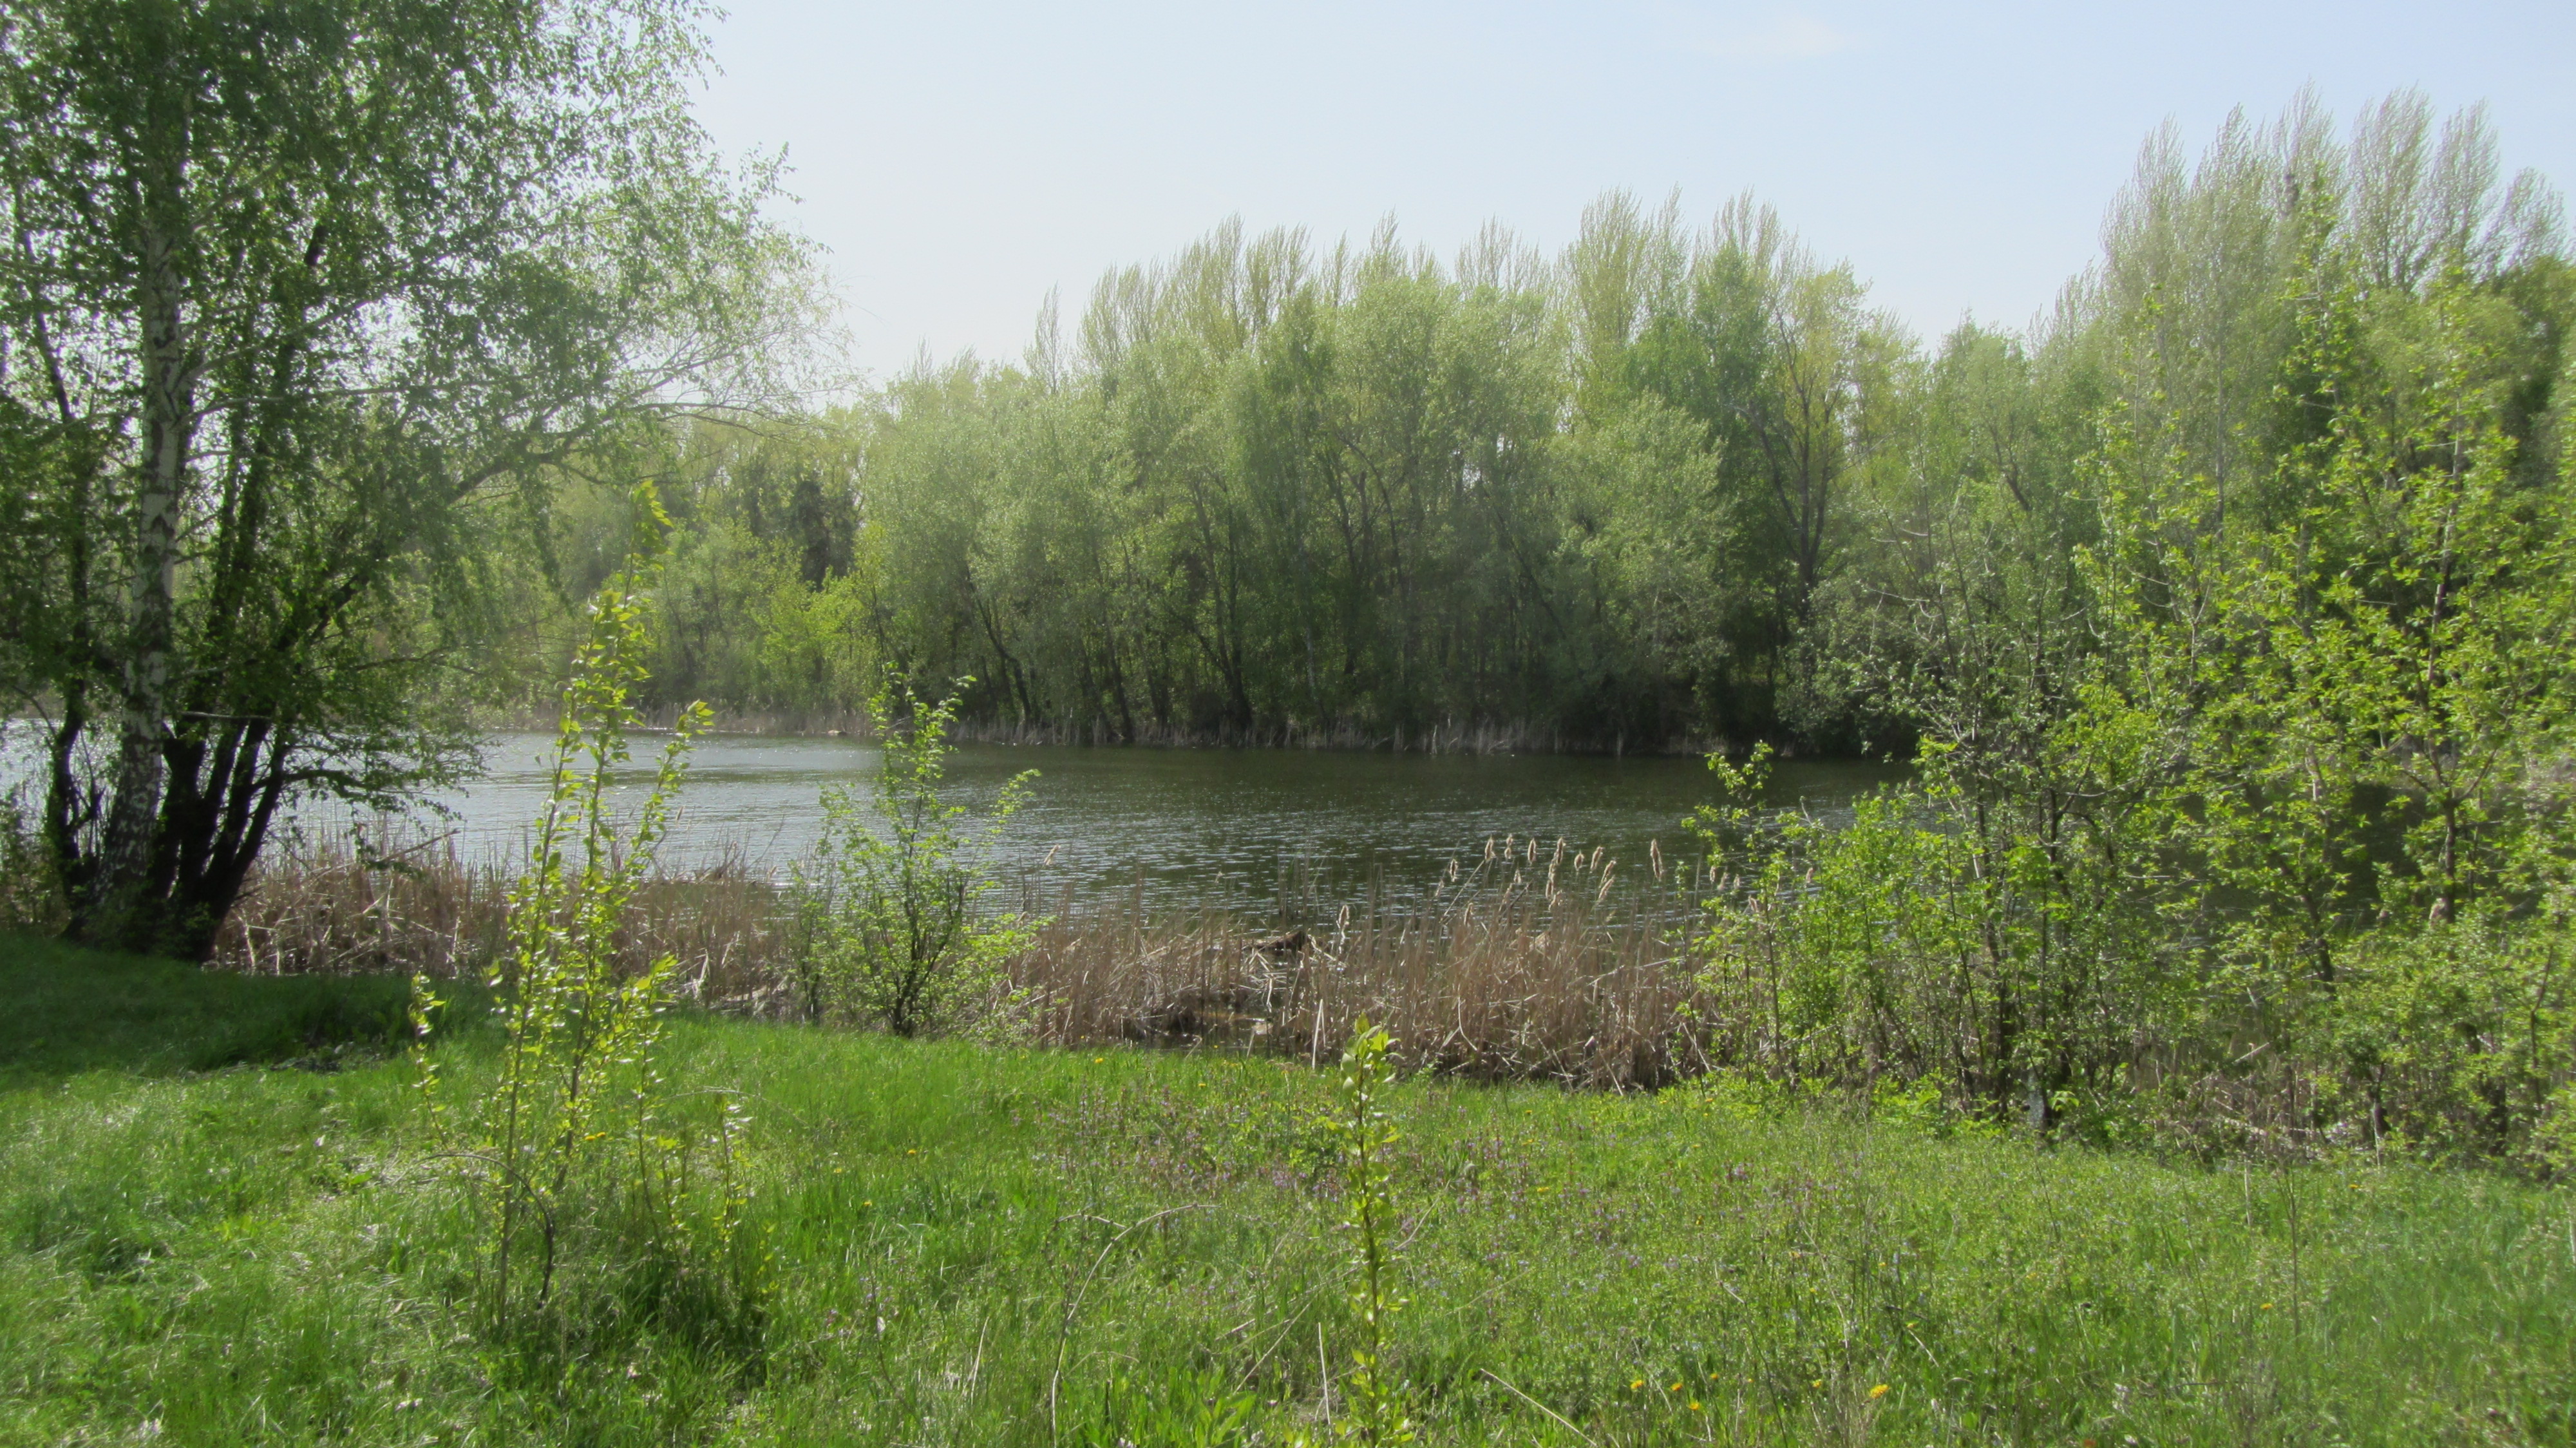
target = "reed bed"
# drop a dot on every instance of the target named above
(1532, 965)
(1539, 962)
(350, 905)
(1492, 992)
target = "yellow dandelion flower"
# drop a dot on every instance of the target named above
(1634, 1386)
(1675, 1388)
(1818, 1383)
(2266, 1307)
(1694, 1405)
(1879, 1392)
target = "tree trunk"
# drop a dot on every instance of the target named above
(125, 914)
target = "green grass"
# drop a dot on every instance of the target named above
(70, 1010)
(261, 1254)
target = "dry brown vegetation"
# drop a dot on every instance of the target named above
(1542, 965)
(351, 905)
(1539, 962)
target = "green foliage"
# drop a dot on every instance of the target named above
(31, 900)
(2456, 1042)
(767, 602)
(1675, 486)
(2241, 805)
(1269, 493)
(303, 312)
(1182, 1408)
(1838, 954)
(576, 1155)
(894, 901)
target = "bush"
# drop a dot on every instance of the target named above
(31, 900)
(893, 903)
(580, 1172)
(1930, 940)
(2457, 1041)
(1955, 984)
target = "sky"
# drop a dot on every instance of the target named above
(958, 160)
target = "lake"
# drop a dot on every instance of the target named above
(1191, 826)
(1187, 827)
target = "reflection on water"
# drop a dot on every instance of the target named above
(1188, 827)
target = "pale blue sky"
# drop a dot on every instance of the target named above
(959, 159)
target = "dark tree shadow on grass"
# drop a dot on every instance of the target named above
(65, 1010)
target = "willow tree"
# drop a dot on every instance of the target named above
(1797, 386)
(296, 298)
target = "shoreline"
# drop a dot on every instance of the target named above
(1481, 740)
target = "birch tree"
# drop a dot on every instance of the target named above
(296, 298)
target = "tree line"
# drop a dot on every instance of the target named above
(1678, 486)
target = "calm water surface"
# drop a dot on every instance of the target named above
(1191, 826)
(1187, 827)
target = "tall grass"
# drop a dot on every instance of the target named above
(245, 1257)
(1539, 962)
(414, 904)
(1534, 964)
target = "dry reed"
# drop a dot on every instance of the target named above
(348, 905)
(1531, 965)
(1540, 962)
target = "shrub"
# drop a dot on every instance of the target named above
(1955, 983)
(892, 904)
(575, 1157)
(2456, 1041)
(1366, 1139)
(30, 899)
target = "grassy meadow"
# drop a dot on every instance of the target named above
(221, 1221)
